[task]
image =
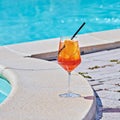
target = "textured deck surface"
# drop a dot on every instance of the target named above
(102, 70)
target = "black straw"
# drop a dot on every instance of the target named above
(78, 30)
(72, 36)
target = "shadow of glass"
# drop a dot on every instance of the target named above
(89, 97)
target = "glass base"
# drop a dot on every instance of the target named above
(69, 95)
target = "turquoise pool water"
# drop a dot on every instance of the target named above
(5, 89)
(30, 20)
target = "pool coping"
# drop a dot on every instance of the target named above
(47, 49)
(20, 104)
(19, 61)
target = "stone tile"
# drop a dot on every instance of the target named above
(111, 116)
(108, 103)
(109, 95)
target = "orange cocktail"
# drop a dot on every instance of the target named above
(69, 54)
(69, 58)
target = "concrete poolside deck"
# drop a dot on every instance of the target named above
(36, 84)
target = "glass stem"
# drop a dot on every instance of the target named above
(69, 79)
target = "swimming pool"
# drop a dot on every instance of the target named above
(5, 88)
(30, 20)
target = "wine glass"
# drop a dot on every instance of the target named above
(69, 58)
